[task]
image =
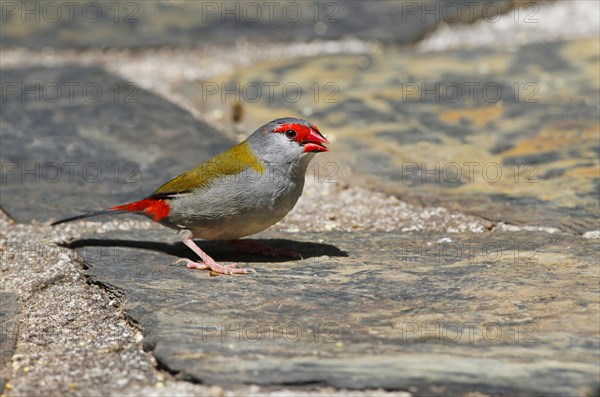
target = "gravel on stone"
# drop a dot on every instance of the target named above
(533, 22)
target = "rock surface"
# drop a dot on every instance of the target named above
(77, 139)
(426, 307)
(487, 313)
(151, 24)
(9, 329)
(508, 135)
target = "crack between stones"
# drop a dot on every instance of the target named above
(119, 296)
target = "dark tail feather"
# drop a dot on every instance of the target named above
(89, 214)
(154, 208)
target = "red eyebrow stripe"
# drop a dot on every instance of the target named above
(298, 127)
(302, 130)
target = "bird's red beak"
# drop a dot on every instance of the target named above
(314, 141)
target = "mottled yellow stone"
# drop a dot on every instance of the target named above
(479, 116)
(585, 54)
(405, 121)
(558, 137)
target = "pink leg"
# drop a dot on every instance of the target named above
(207, 261)
(254, 247)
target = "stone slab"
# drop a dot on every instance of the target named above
(510, 135)
(77, 139)
(497, 313)
(10, 307)
(36, 24)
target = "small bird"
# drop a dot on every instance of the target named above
(239, 192)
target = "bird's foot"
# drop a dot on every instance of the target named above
(215, 267)
(254, 247)
(207, 261)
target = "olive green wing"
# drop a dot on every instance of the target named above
(230, 162)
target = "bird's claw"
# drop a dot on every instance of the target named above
(215, 267)
(190, 264)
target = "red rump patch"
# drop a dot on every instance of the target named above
(157, 209)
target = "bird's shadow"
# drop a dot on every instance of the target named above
(219, 251)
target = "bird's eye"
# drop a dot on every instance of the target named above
(291, 134)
